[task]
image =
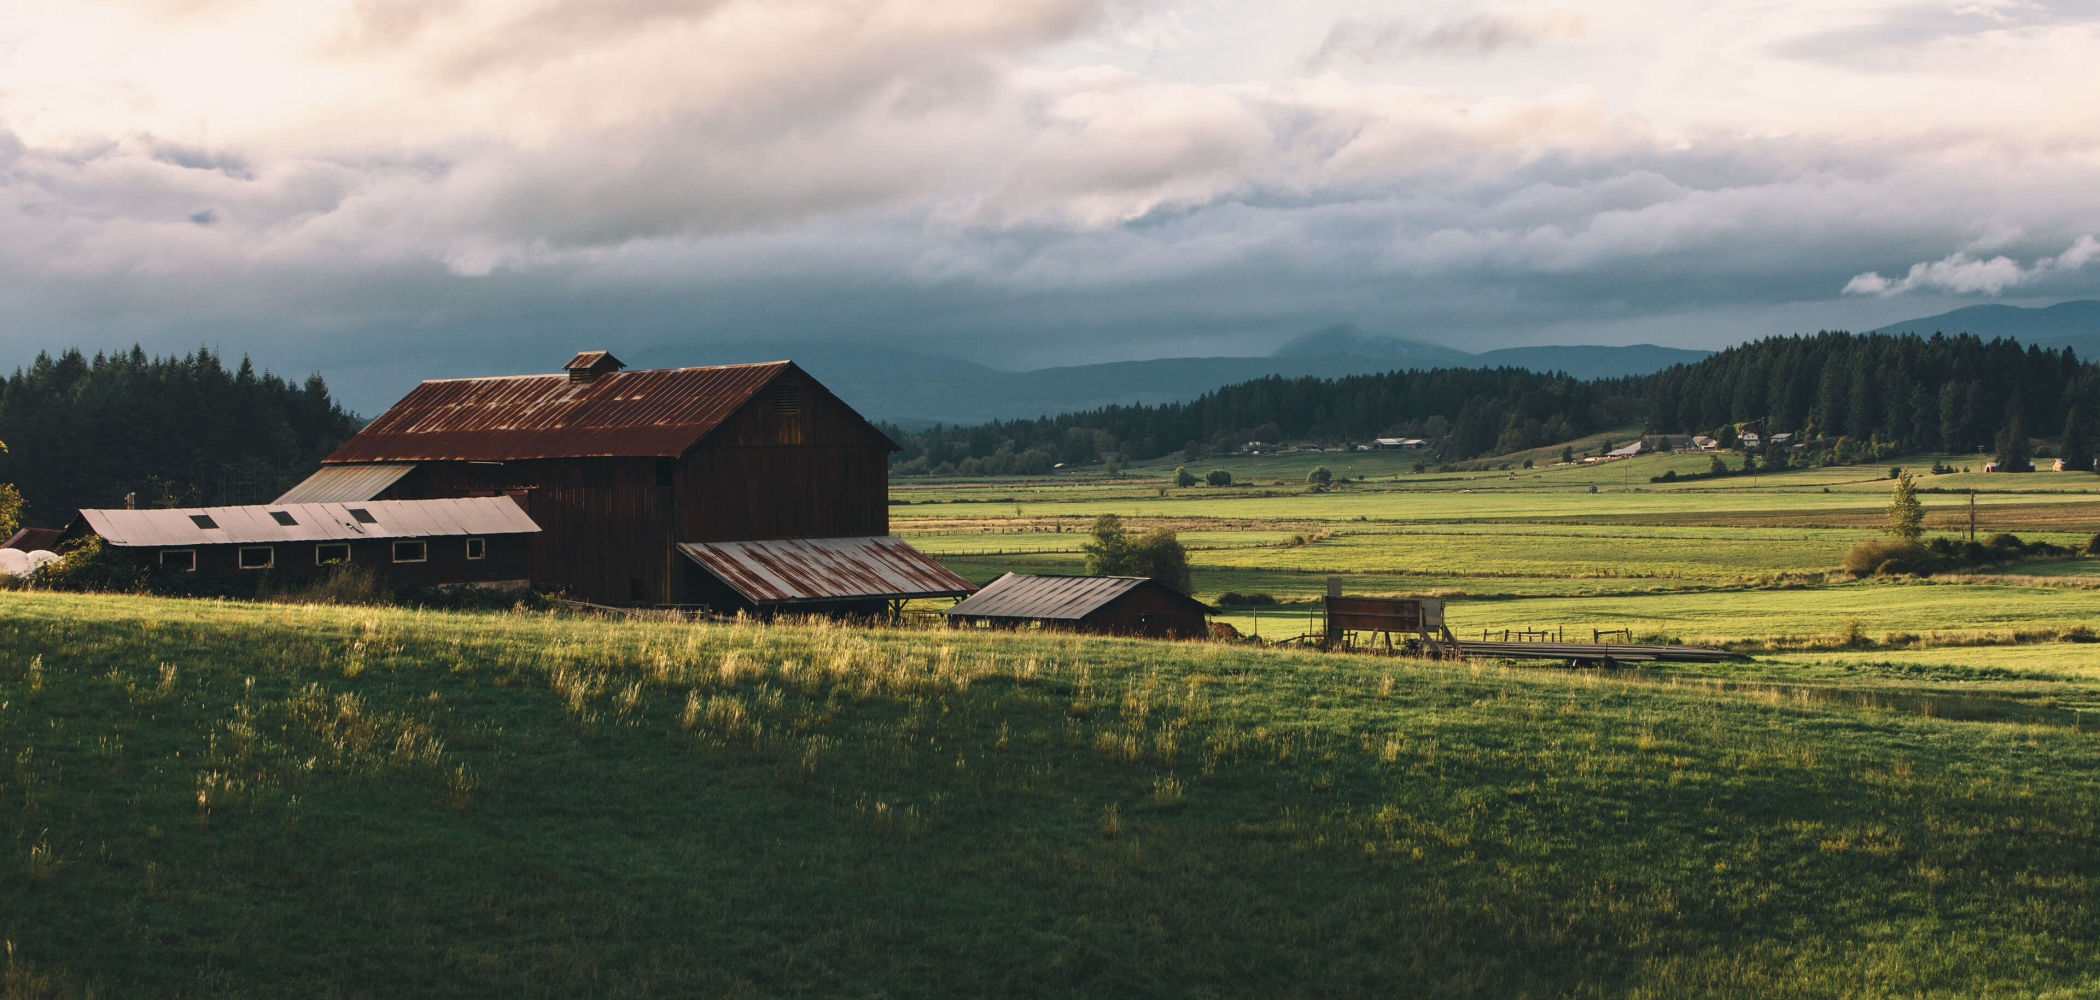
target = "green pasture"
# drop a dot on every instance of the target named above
(233, 800)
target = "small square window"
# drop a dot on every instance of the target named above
(183, 560)
(361, 515)
(284, 517)
(417, 551)
(477, 548)
(330, 553)
(203, 521)
(258, 557)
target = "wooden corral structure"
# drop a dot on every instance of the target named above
(483, 540)
(1108, 605)
(1419, 619)
(619, 468)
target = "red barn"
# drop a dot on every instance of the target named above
(620, 468)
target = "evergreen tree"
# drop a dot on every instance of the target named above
(2078, 448)
(1906, 516)
(176, 430)
(2013, 451)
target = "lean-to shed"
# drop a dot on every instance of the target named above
(1113, 605)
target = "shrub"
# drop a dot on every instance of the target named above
(1183, 477)
(2092, 546)
(89, 565)
(1218, 477)
(1319, 476)
(1884, 557)
(1235, 599)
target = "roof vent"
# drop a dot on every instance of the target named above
(586, 367)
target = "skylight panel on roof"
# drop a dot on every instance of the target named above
(284, 517)
(203, 521)
(361, 515)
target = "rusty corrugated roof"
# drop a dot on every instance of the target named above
(1057, 598)
(342, 483)
(657, 412)
(258, 524)
(825, 569)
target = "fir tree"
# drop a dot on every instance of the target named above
(2077, 449)
(1906, 516)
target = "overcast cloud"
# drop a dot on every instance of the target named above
(392, 189)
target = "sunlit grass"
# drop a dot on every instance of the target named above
(280, 800)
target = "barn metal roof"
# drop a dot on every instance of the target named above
(1059, 598)
(345, 483)
(657, 412)
(826, 569)
(256, 525)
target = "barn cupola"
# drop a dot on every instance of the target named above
(586, 367)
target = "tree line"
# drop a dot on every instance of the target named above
(1851, 397)
(1462, 411)
(182, 430)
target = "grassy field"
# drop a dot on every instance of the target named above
(225, 799)
(1573, 547)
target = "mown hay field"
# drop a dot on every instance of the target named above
(229, 799)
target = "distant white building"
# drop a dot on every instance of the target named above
(1399, 444)
(1750, 439)
(1705, 443)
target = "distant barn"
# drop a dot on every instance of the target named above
(486, 541)
(1112, 605)
(626, 471)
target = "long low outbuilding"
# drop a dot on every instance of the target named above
(465, 540)
(1110, 605)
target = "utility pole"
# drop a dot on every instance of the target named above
(1972, 513)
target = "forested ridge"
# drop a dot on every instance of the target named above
(1850, 396)
(179, 430)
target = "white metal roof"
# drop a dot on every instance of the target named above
(256, 525)
(786, 571)
(345, 483)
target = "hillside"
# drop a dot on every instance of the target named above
(249, 800)
(2065, 324)
(917, 390)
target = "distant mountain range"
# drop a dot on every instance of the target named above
(918, 390)
(2066, 324)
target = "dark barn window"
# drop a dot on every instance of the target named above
(179, 559)
(328, 553)
(786, 400)
(477, 548)
(416, 551)
(258, 557)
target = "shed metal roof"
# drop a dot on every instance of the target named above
(651, 412)
(1057, 598)
(345, 483)
(256, 525)
(826, 569)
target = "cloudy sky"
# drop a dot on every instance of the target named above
(389, 189)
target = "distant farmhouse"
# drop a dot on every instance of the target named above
(675, 486)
